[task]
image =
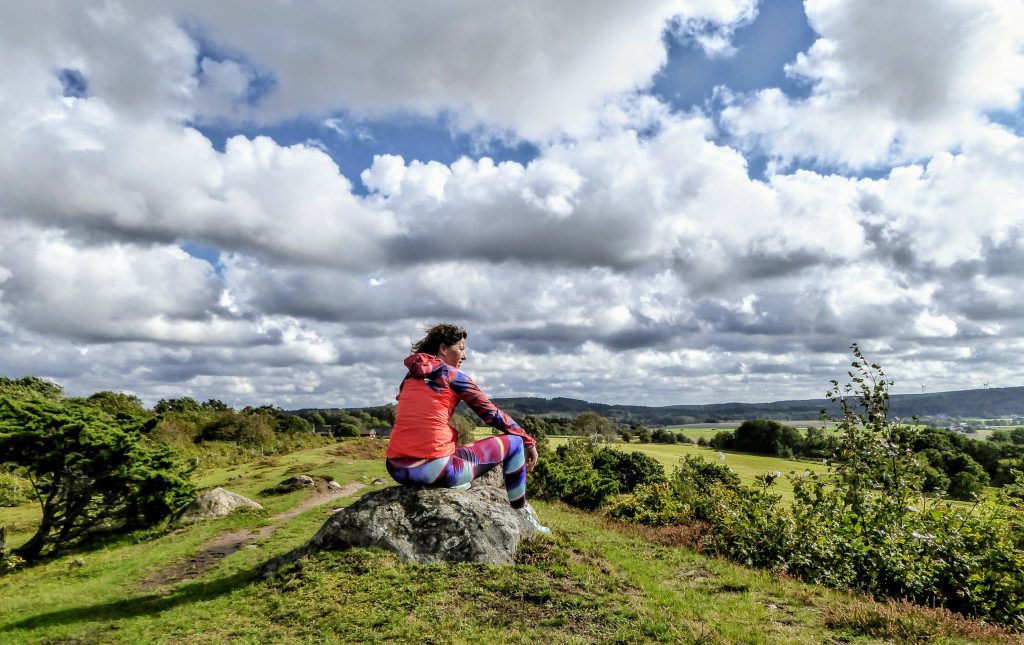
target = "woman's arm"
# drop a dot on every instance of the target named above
(467, 390)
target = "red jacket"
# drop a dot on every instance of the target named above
(426, 401)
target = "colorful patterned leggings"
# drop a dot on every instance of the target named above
(468, 463)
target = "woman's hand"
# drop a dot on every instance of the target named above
(531, 457)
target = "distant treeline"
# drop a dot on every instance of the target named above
(984, 403)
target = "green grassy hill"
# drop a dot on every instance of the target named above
(591, 581)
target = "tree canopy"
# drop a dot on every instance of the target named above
(88, 473)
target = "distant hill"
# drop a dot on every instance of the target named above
(985, 403)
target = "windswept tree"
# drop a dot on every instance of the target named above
(30, 388)
(88, 473)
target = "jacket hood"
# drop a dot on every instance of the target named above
(422, 364)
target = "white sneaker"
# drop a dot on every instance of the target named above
(531, 519)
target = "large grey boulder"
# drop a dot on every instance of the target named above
(217, 502)
(425, 525)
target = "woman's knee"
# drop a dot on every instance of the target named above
(515, 443)
(516, 457)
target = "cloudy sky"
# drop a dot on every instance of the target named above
(648, 202)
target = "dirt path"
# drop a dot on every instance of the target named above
(213, 551)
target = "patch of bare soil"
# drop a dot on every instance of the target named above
(216, 549)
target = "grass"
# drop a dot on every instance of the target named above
(591, 581)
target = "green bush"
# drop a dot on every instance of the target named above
(651, 505)
(752, 527)
(699, 483)
(579, 486)
(570, 476)
(14, 490)
(347, 430)
(966, 485)
(628, 469)
(660, 435)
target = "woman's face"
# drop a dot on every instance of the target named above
(453, 354)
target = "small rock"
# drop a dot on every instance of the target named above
(296, 482)
(78, 562)
(214, 503)
(252, 546)
(333, 485)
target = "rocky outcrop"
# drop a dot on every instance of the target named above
(214, 503)
(425, 525)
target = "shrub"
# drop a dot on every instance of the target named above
(347, 430)
(579, 486)
(538, 428)
(173, 428)
(570, 476)
(651, 505)
(966, 485)
(752, 527)
(870, 528)
(661, 435)
(699, 484)
(14, 490)
(703, 475)
(629, 470)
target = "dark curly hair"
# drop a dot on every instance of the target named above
(440, 334)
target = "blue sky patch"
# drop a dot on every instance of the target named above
(73, 83)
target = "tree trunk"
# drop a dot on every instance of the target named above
(34, 547)
(31, 549)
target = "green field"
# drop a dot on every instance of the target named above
(745, 465)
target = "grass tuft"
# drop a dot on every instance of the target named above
(904, 622)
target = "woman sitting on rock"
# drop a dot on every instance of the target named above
(422, 448)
